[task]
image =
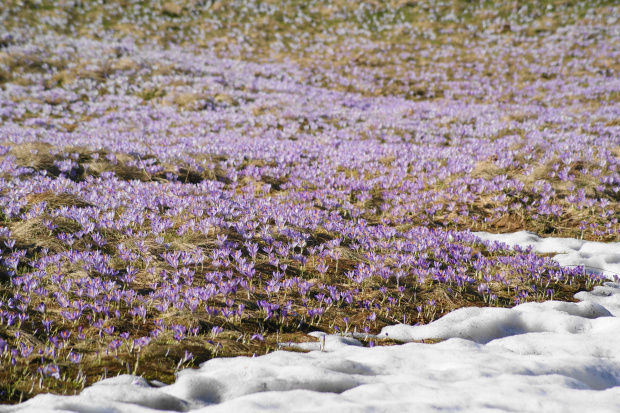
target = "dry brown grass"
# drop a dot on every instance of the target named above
(172, 9)
(161, 359)
(164, 355)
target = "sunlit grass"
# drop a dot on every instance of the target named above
(408, 262)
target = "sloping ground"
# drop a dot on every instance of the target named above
(187, 180)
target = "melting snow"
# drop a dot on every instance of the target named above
(596, 257)
(535, 357)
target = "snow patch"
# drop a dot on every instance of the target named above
(596, 257)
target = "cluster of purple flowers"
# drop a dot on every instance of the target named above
(141, 205)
